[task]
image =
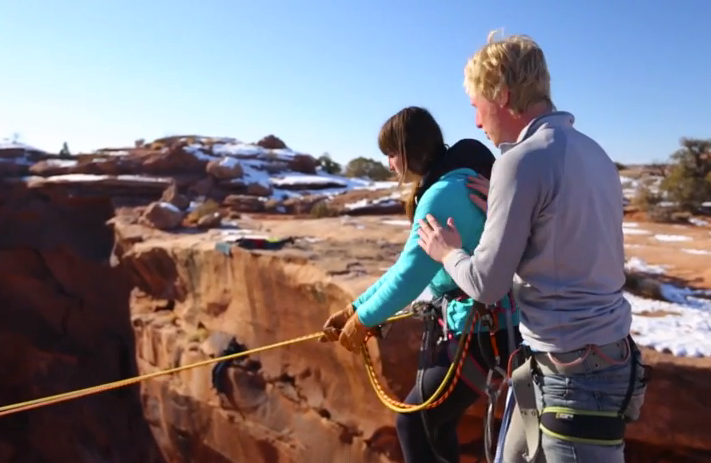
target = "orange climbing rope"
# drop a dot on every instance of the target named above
(436, 399)
(440, 395)
(52, 399)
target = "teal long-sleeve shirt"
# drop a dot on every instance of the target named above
(415, 270)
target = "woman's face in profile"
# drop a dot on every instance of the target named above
(395, 164)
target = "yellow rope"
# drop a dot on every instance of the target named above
(48, 400)
(440, 395)
(434, 400)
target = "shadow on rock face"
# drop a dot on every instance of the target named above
(65, 325)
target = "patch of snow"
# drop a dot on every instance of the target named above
(110, 153)
(61, 162)
(76, 178)
(310, 239)
(13, 145)
(681, 328)
(698, 222)
(396, 222)
(671, 238)
(638, 265)
(634, 231)
(228, 162)
(697, 251)
(237, 149)
(21, 160)
(167, 206)
(374, 186)
(237, 234)
(630, 224)
(83, 178)
(378, 202)
(197, 150)
(305, 179)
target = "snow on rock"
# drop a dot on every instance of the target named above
(399, 223)
(672, 238)
(7, 145)
(312, 182)
(271, 172)
(698, 222)
(700, 252)
(634, 231)
(635, 264)
(680, 324)
(682, 328)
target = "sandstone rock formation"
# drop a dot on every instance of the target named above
(66, 325)
(193, 167)
(271, 142)
(89, 298)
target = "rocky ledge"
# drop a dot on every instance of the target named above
(184, 172)
(91, 297)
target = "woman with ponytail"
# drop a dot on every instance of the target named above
(413, 143)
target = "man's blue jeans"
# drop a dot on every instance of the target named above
(583, 380)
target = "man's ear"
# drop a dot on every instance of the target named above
(502, 98)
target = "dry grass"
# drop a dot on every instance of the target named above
(206, 208)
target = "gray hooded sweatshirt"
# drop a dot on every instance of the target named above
(554, 221)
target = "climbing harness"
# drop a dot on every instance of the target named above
(574, 425)
(462, 366)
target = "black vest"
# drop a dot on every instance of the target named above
(466, 153)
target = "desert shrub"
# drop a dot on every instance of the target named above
(206, 208)
(646, 196)
(688, 179)
(367, 168)
(64, 152)
(157, 146)
(660, 214)
(199, 335)
(329, 165)
(321, 209)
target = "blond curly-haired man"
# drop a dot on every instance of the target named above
(554, 225)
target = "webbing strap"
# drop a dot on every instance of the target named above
(523, 387)
(427, 352)
(505, 425)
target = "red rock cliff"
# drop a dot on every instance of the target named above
(72, 320)
(65, 325)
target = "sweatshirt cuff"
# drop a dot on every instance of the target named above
(452, 259)
(366, 322)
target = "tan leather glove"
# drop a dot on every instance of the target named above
(353, 334)
(335, 323)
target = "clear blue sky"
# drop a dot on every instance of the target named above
(324, 75)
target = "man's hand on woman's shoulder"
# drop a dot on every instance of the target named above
(481, 185)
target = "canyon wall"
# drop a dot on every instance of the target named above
(74, 316)
(64, 325)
